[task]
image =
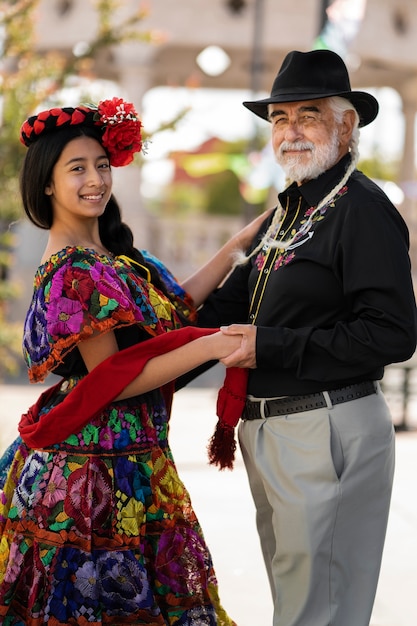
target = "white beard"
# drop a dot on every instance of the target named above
(322, 157)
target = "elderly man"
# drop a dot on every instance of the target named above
(324, 301)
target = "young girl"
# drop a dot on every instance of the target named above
(96, 525)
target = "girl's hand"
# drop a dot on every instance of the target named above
(245, 236)
(219, 345)
(212, 274)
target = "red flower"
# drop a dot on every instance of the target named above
(116, 110)
(78, 285)
(117, 119)
(89, 496)
(122, 136)
(122, 141)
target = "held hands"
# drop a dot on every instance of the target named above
(218, 346)
(245, 354)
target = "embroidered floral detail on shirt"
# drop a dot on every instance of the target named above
(260, 260)
(283, 260)
(286, 256)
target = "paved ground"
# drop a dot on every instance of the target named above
(224, 506)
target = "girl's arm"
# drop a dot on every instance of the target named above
(200, 284)
(165, 367)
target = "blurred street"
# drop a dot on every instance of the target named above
(223, 503)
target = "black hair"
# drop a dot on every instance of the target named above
(36, 172)
(35, 176)
(117, 237)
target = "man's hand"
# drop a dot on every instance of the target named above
(245, 355)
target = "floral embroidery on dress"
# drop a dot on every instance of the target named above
(78, 293)
(99, 528)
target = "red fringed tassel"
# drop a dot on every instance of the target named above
(230, 403)
(222, 446)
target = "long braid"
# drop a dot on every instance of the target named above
(117, 237)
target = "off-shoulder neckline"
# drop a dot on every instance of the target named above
(68, 250)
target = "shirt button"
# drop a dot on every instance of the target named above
(266, 271)
(252, 316)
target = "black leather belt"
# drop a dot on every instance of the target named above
(257, 409)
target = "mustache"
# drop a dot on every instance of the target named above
(295, 145)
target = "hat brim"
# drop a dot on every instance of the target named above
(365, 104)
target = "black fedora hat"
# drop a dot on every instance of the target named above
(313, 75)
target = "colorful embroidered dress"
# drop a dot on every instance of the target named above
(99, 529)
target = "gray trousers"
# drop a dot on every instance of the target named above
(321, 481)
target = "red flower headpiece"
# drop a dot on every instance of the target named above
(117, 120)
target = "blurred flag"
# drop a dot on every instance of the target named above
(342, 24)
(198, 165)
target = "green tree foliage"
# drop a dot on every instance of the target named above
(378, 167)
(27, 79)
(210, 180)
(223, 194)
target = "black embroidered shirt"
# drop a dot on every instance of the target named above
(338, 305)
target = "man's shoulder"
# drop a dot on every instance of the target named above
(367, 202)
(361, 179)
(361, 187)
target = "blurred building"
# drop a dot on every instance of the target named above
(377, 42)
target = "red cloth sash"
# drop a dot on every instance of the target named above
(106, 381)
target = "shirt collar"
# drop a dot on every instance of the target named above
(316, 189)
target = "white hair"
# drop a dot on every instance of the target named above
(339, 106)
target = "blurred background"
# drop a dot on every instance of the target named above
(208, 168)
(187, 66)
